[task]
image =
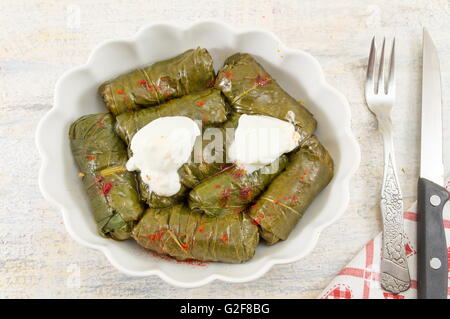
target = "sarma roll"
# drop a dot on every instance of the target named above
(101, 156)
(281, 206)
(154, 200)
(233, 189)
(185, 234)
(251, 90)
(207, 106)
(186, 73)
(196, 170)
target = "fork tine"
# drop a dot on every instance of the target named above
(380, 86)
(370, 68)
(391, 83)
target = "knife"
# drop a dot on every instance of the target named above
(432, 260)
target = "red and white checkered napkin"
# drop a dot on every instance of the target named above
(360, 279)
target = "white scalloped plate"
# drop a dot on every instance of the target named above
(298, 72)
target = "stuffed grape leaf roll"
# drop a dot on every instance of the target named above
(197, 169)
(185, 234)
(251, 90)
(233, 189)
(154, 200)
(101, 156)
(207, 106)
(186, 73)
(281, 206)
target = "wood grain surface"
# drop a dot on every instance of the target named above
(39, 40)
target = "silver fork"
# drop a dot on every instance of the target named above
(380, 100)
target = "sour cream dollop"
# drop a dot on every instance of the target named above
(260, 140)
(159, 149)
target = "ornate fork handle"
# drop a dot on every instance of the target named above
(394, 266)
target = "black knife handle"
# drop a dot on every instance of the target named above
(432, 260)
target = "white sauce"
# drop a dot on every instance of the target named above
(159, 149)
(260, 140)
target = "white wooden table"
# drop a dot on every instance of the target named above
(39, 40)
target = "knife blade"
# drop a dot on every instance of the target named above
(432, 260)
